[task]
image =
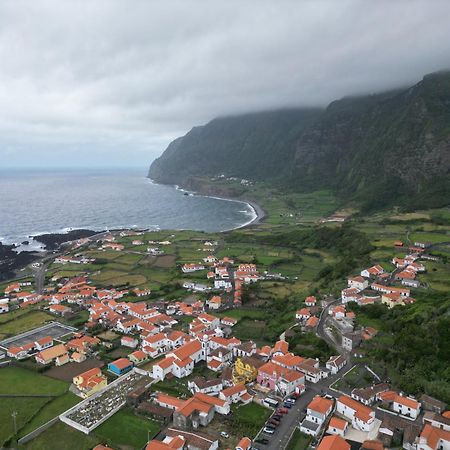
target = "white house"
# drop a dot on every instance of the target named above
(406, 406)
(222, 284)
(188, 268)
(335, 364)
(373, 271)
(156, 341)
(162, 368)
(350, 295)
(303, 314)
(361, 416)
(433, 438)
(357, 282)
(4, 305)
(337, 426)
(201, 384)
(235, 394)
(43, 343)
(316, 414)
(182, 368)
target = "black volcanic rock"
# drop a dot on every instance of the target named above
(53, 240)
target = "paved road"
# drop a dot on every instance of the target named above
(39, 274)
(283, 433)
(321, 331)
(290, 421)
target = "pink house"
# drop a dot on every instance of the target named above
(277, 378)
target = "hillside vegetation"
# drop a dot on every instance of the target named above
(385, 149)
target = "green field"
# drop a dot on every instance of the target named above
(248, 419)
(15, 380)
(60, 436)
(299, 441)
(14, 315)
(126, 428)
(437, 276)
(358, 377)
(25, 408)
(50, 410)
(434, 238)
(243, 312)
(24, 322)
(252, 329)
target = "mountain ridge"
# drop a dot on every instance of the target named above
(380, 149)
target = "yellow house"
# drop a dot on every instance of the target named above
(245, 369)
(393, 299)
(90, 382)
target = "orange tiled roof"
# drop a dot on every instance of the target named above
(320, 404)
(333, 443)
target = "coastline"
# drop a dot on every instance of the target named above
(258, 211)
(52, 241)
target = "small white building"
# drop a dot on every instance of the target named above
(316, 413)
(406, 406)
(4, 305)
(361, 416)
(337, 426)
(357, 282)
(335, 364)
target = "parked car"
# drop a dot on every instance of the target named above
(273, 422)
(269, 430)
(287, 405)
(224, 434)
(263, 441)
(282, 411)
(277, 417)
(291, 400)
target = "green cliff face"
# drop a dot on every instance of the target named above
(386, 149)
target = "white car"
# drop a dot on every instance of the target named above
(224, 434)
(268, 430)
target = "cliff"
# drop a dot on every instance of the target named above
(391, 148)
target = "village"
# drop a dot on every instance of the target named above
(179, 366)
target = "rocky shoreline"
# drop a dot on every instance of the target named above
(11, 261)
(52, 241)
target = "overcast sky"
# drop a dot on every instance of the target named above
(112, 83)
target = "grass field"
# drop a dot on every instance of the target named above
(51, 410)
(15, 380)
(250, 329)
(437, 276)
(242, 312)
(358, 377)
(434, 238)
(299, 441)
(250, 418)
(24, 322)
(126, 428)
(60, 436)
(25, 408)
(13, 315)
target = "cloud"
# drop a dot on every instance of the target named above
(113, 83)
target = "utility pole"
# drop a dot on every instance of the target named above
(14, 415)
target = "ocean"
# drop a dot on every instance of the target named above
(34, 202)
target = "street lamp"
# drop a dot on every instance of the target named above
(14, 415)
